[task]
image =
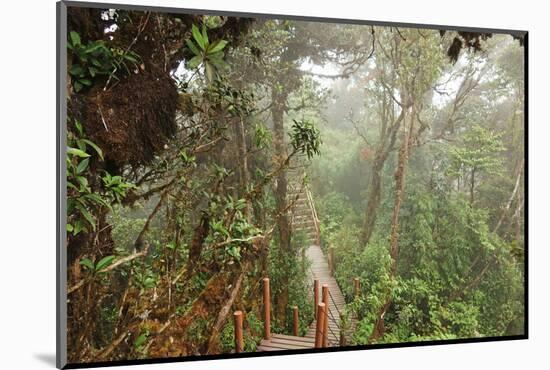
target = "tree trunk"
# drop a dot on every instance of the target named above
(373, 201)
(245, 174)
(283, 224)
(195, 249)
(514, 192)
(387, 141)
(403, 158)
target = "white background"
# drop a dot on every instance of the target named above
(27, 182)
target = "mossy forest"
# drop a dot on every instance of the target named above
(256, 184)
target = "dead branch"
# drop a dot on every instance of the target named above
(225, 310)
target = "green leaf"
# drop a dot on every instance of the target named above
(149, 283)
(140, 340)
(81, 167)
(76, 70)
(209, 70)
(92, 70)
(217, 46)
(96, 63)
(216, 56)
(77, 86)
(204, 34)
(78, 227)
(194, 62)
(96, 198)
(104, 262)
(96, 148)
(78, 126)
(81, 145)
(130, 58)
(83, 181)
(192, 47)
(77, 152)
(219, 64)
(198, 37)
(86, 214)
(75, 38)
(93, 46)
(86, 262)
(85, 81)
(70, 228)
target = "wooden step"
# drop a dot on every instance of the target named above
(281, 342)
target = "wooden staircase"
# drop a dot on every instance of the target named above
(303, 212)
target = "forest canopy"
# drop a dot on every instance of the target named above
(206, 153)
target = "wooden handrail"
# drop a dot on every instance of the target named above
(315, 295)
(313, 214)
(325, 320)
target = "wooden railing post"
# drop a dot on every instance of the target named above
(267, 310)
(320, 325)
(315, 296)
(356, 287)
(239, 344)
(326, 302)
(296, 322)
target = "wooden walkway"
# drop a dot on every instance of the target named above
(304, 219)
(319, 270)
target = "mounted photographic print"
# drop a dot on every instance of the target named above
(236, 185)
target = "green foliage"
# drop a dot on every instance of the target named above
(262, 137)
(145, 278)
(236, 236)
(116, 186)
(449, 263)
(95, 59)
(335, 211)
(289, 271)
(305, 138)
(478, 152)
(341, 161)
(371, 266)
(206, 53)
(140, 342)
(444, 245)
(95, 268)
(81, 199)
(83, 202)
(126, 228)
(104, 262)
(238, 102)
